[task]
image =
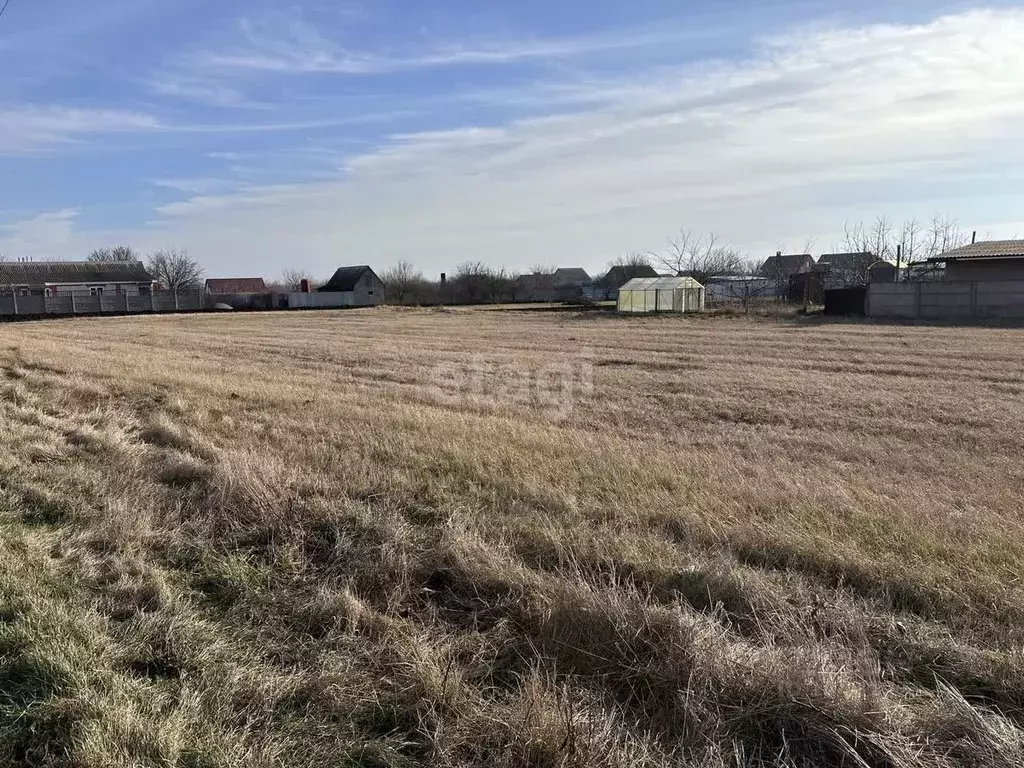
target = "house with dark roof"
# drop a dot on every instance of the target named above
(571, 284)
(785, 265)
(608, 286)
(845, 270)
(989, 260)
(355, 287)
(234, 286)
(75, 278)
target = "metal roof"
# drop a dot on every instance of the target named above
(345, 279)
(620, 275)
(660, 284)
(843, 261)
(571, 276)
(990, 249)
(236, 285)
(786, 263)
(64, 272)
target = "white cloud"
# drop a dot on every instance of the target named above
(41, 236)
(28, 128)
(807, 132)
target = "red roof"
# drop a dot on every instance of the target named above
(227, 285)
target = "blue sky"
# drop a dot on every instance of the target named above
(265, 135)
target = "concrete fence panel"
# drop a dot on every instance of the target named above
(948, 300)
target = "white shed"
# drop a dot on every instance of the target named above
(661, 294)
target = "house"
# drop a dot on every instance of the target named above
(607, 288)
(845, 270)
(355, 287)
(235, 286)
(990, 260)
(781, 268)
(75, 278)
(571, 284)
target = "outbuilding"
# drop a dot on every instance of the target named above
(661, 294)
(350, 287)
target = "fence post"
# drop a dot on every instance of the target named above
(74, 309)
(175, 299)
(152, 304)
(14, 295)
(127, 306)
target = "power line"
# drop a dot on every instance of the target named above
(6, 3)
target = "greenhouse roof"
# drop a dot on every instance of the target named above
(660, 284)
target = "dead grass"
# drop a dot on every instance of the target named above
(404, 537)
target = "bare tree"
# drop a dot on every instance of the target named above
(908, 243)
(119, 253)
(700, 257)
(291, 280)
(402, 280)
(175, 270)
(745, 285)
(633, 263)
(944, 235)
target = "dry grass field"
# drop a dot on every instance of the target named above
(453, 538)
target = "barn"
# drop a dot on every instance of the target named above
(661, 294)
(352, 287)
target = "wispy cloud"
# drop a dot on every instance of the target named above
(40, 236)
(202, 90)
(292, 46)
(29, 128)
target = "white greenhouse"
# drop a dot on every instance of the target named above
(661, 294)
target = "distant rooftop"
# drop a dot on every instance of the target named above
(58, 272)
(990, 249)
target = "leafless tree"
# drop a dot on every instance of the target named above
(402, 280)
(120, 253)
(699, 256)
(632, 260)
(944, 234)
(291, 279)
(746, 285)
(175, 270)
(908, 243)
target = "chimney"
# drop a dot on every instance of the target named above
(974, 237)
(779, 254)
(444, 278)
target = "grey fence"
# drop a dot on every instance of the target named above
(948, 300)
(112, 304)
(165, 301)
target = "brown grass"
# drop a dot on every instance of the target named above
(395, 537)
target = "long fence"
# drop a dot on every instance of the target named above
(163, 302)
(947, 300)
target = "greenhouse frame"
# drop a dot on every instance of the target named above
(661, 294)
